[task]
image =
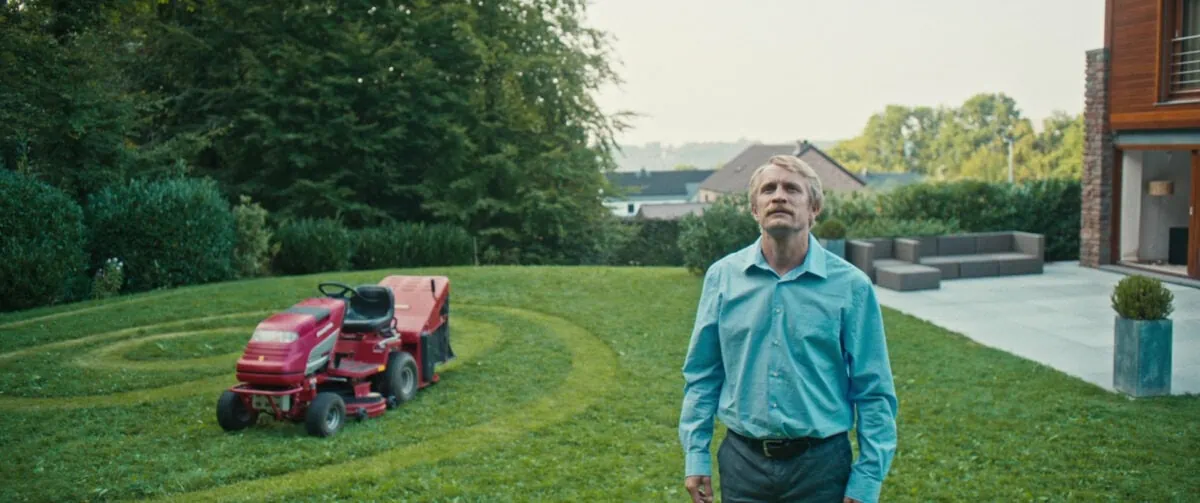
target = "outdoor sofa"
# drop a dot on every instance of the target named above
(920, 263)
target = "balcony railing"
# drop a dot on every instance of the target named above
(1185, 66)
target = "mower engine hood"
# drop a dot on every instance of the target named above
(292, 344)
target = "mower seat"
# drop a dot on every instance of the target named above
(369, 311)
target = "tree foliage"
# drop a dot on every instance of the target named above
(967, 142)
(476, 114)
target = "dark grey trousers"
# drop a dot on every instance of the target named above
(818, 475)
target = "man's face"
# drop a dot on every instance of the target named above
(781, 203)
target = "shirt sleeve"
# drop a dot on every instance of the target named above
(872, 392)
(703, 374)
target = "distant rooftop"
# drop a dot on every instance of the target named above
(643, 183)
(671, 211)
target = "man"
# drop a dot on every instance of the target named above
(788, 344)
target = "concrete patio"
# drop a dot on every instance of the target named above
(1062, 318)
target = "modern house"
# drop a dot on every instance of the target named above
(734, 176)
(1141, 179)
(655, 188)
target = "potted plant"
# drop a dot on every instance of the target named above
(1143, 337)
(832, 235)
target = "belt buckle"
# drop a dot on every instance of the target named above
(766, 445)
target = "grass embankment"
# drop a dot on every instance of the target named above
(567, 388)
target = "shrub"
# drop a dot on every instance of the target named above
(852, 207)
(252, 250)
(108, 279)
(654, 243)
(892, 228)
(412, 245)
(830, 229)
(42, 242)
(724, 228)
(311, 245)
(1139, 297)
(168, 233)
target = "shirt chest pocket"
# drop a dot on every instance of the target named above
(816, 333)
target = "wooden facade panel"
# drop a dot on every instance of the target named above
(1134, 70)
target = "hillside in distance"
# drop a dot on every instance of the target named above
(657, 156)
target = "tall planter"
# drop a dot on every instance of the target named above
(1142, 356)
(1142, 336)
(837, 246)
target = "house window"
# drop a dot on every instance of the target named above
(629, 208)
(1181, 30)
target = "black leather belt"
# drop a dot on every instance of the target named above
(781, 448)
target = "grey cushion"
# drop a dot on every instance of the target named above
(883, 247)
(993, 242)
(909, 277)
(956, 245)
(947, 265)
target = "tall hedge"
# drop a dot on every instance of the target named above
(312, 245)
(42, 242)
(412, 245)
(654, 243)
(168, 233)
(724, 228)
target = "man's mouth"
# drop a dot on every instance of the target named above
(778, 211)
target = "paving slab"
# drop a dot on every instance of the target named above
(1062, 318)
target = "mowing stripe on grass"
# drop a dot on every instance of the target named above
(483, 336)
(110, 356)
(593, 372)
(155, 296)
(127, 331)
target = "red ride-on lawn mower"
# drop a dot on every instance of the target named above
(355, 352)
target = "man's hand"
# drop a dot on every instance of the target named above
(700, 487)
(848, 499)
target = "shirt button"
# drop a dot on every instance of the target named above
(774, 406)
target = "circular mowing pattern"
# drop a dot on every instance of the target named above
(593, 368)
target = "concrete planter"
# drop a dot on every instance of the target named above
(837, 246)
(1142, 357)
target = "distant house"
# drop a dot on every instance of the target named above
(671, 211)
(652, 188)
(734, 176)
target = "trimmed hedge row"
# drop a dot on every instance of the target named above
(1047, 207)
(144, 235)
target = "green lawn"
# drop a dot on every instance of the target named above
(560, 393)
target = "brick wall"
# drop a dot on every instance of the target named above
(1096, 219)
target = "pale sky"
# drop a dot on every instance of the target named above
(778, 70)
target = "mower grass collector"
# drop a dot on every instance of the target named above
(354, 352)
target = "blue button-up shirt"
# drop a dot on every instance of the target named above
(790, 356)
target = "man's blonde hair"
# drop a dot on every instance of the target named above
(816, 195)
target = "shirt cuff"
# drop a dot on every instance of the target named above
(862, 488)
(698, 463)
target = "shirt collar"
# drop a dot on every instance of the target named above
(814, 261)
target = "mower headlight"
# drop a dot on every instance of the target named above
(273, 336)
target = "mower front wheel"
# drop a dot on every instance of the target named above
(325, 415)
(232, 413)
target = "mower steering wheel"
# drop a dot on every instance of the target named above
(345, 291)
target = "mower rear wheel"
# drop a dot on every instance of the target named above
(232, 413)
(399, 380)
(325, 415)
